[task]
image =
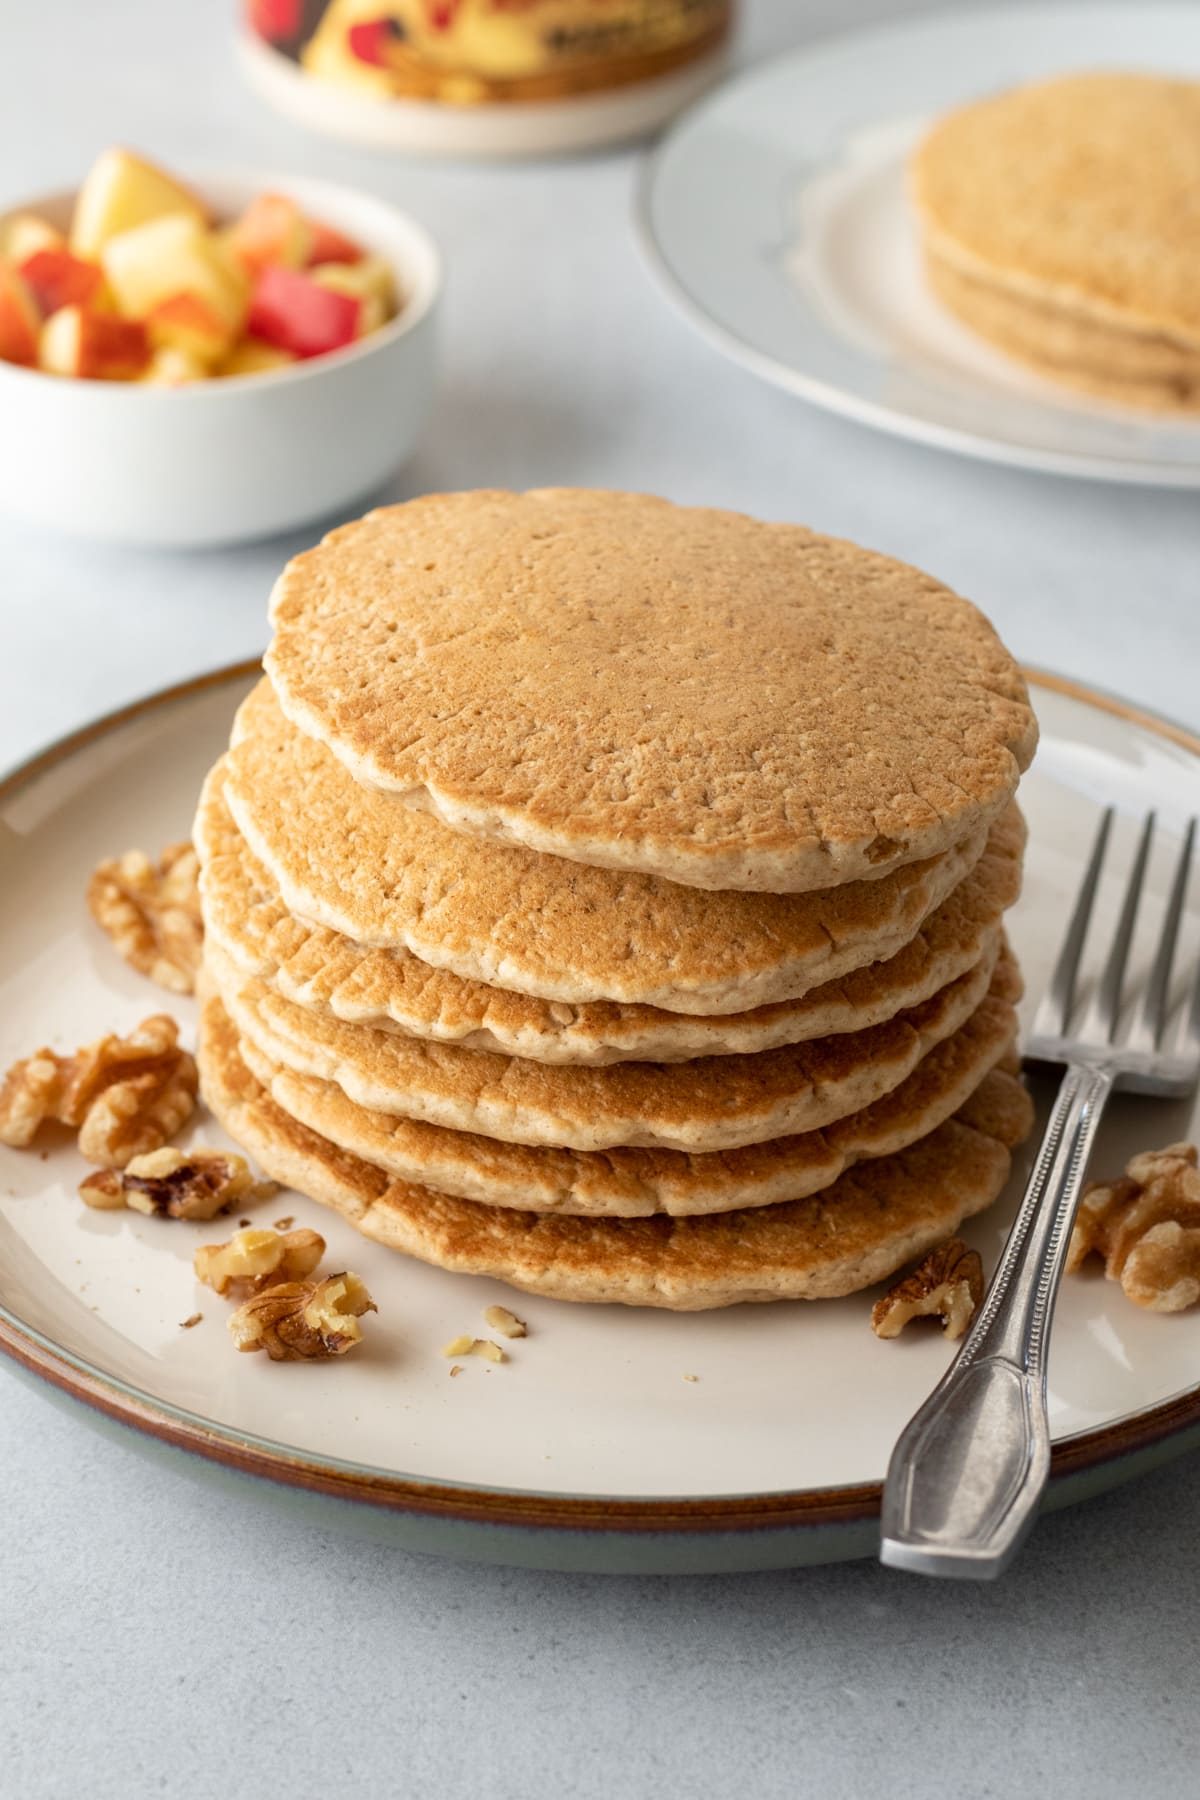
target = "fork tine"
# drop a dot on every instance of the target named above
(1105, 1008)
(1189, 1032)
(1189, 1036)
(1054, 1016)
(1148, 1021)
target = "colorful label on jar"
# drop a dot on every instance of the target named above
(466, 51)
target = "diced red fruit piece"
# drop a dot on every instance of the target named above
(56, 278)
(330, 246)
(277, 20)
(19, 319)
(368, 41)
(300, 315)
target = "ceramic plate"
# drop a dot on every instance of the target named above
(775, 215)
(589, 1448)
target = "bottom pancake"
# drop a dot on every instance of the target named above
(1144, 370)
(873, 1219)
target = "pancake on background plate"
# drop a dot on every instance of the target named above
(1061, 221)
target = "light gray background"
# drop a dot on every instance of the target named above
(155, 1640)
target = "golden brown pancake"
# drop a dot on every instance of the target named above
(715, 1103)
(1082, 192)
(387, 877)
(677, 692)
(1140, 370)
(874, 1218)
(327, 973)
(623, 1183)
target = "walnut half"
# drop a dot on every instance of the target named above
(252, 1260)
(176, 1184)
(949, 1282)
(303, 1321)
(152, 913)
(125, 1096)
(1146, 1226)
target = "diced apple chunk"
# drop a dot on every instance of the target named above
(56, 279)
(122, 191)
(171, 256)
(369, 280)
(188, 323)
(24, 235)
(94, 346)
(172, 367)
(253, 357)
(20, 319)
(272, 230)
(300, 315)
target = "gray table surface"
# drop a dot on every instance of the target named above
(154, 1640)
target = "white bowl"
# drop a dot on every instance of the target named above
(215, 462)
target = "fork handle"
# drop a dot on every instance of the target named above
(967, 1473)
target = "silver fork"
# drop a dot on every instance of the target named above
(968, 1470)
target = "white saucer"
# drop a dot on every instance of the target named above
(776, 217)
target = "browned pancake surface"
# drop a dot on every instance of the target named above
(677, 691)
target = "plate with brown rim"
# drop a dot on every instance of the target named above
(590, 1448)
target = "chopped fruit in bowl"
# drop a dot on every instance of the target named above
(93, 345)
(250, 353)
(148, 268)
(20, 319)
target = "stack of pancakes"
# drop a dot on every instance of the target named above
(1062, 222)
(607, 897)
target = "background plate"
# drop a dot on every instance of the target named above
(775, 215)
(588, 1449)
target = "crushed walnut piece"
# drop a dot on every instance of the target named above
(505, 1322)
(252, 1260)
(303, 1321)
(468, 1346)
(152, 913)
(125, 1096)
(1146, 1226)
(175, 1184)
(949, 1282)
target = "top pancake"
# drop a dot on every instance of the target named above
(382, 874)
(681, 692)
(1084, 190)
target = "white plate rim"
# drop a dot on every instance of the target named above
(1168, 1427)
(876, 415)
